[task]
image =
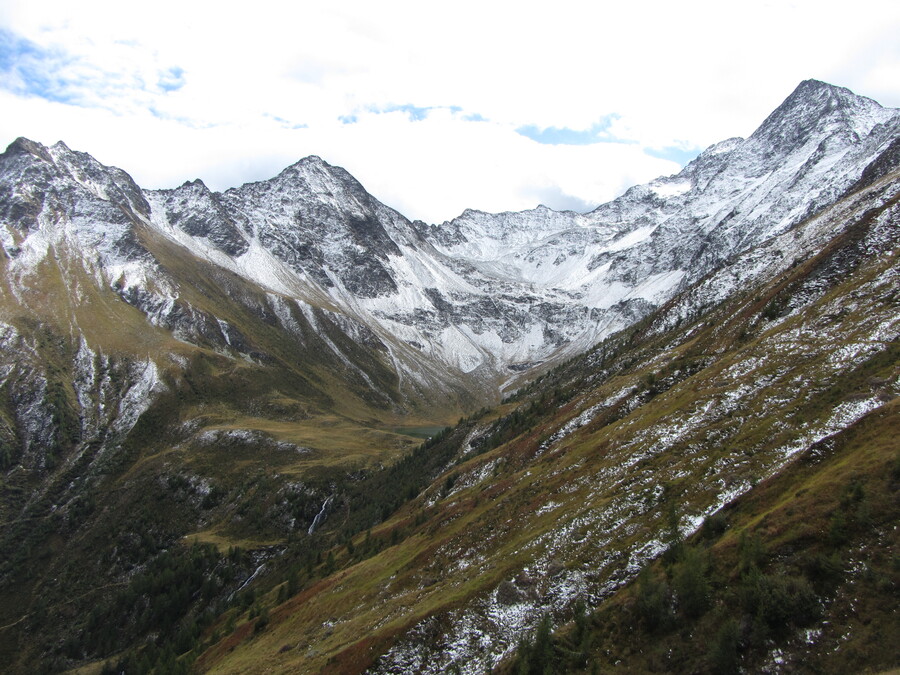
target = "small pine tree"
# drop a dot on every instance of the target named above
(542, 657)
(523, 657)
(582, 636)
(673, 537)
(751, 552)
(652, 600)
(262, 621)
(691, 584)
(293, 582)
(723, 655)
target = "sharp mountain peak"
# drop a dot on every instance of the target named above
(25, 146)
(816, 105)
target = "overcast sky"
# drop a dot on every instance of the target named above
(434, 107)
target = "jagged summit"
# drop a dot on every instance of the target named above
(312, 165)
(24, 145)
(194, 183)
(826, 97)
(313, 160)
(315, 178)
(309, 166)
(816, 105)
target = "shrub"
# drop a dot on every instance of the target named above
(262, 621)
(723, 655)
(537, 657)
(715, 525)
(751, 552)
(826, 570)
(653, 601)
(691, 584)
(779, 602)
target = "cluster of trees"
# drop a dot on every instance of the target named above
(545, 652)
(745, 598)
(671, 598)
(526, 417)
(173, 598)
(375, 495)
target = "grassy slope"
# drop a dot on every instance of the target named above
(792, 518)
(690, 409)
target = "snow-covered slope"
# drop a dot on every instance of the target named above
(491, 294)
(656, 239)
(482, 297)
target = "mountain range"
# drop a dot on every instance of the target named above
(251, 371)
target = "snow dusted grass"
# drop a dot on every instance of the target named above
(576, 505)
(613, 531)
(619, 507)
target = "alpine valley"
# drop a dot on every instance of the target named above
(658, 437)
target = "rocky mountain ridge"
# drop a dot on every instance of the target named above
(736, 194)
(483, 295)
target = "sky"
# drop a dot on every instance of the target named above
(433, 107)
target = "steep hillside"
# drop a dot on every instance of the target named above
(602, 465)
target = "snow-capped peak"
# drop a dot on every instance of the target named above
(486, 292)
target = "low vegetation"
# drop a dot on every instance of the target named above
(777, 577)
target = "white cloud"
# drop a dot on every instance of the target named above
(173, 91)
(450, 164)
